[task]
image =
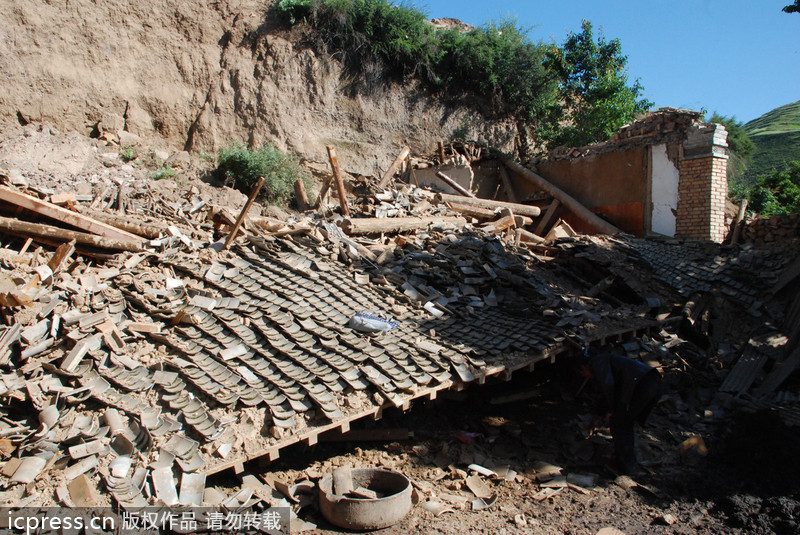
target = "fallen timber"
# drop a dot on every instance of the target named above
(519, 209)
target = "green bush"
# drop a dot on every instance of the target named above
(369, 30)
(128, 154)
(293, 11)
(778, 192)
(163, 172)
(243, 167)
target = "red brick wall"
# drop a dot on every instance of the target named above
(702, 191)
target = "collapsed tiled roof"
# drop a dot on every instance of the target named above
(181, 360)
(208, 360)
(741, 274)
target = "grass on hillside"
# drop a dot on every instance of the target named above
(776, 135)
(778, 121)
(773, 152)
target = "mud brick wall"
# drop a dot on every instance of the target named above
(703, 185)
(764, 230)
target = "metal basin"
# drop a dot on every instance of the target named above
(364, 514)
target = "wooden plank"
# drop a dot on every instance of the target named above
(548, 216)
(530, 237)
(387, 176)
(472, 211)
(500, 225)
(65, 216)
(147, 230)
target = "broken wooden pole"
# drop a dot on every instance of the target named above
(440, 146)
(519, 220)
(504, 223)
(372, 225)
(507, 185)
(387, 176)
(548, 216)
(337, 178)
(63, 252)
(140, 229)
(58, 234)
(529, 237)
(301, 195)
(121, 198)
(455, 185)
(737, 227)
(97, 200)
(472, 211)
(323, 192)
(567, 200)
(243, 213)
(74, 219)
(519, 209)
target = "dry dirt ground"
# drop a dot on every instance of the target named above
(747, 482)
(707, 470)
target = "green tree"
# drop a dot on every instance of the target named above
(595, 97)
(793, 8)
(741, 149)
(778, 192)
(498, 63)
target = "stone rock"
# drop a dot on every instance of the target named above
(129, 139)
(138, 121)
(610, 531)
(15, 178)
(180, 160)
(110, 125)
(109, 159)
(83, 188)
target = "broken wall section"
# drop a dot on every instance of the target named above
(664, 174)
(768, 230)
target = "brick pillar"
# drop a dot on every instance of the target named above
(703, 184)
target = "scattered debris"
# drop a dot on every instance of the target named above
(142, 357)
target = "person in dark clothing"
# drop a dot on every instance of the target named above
(629, 391)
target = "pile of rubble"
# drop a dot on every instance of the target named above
(143, 355)
(131, 376)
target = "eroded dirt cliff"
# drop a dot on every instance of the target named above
(202, 74)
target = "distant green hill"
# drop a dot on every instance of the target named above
(776, 135)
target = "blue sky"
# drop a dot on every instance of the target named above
(736, 57)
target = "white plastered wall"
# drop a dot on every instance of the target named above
(664, 188)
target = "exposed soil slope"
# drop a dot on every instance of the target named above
(201, 74)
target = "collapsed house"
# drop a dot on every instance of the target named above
(141, 355)
(663, 175)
